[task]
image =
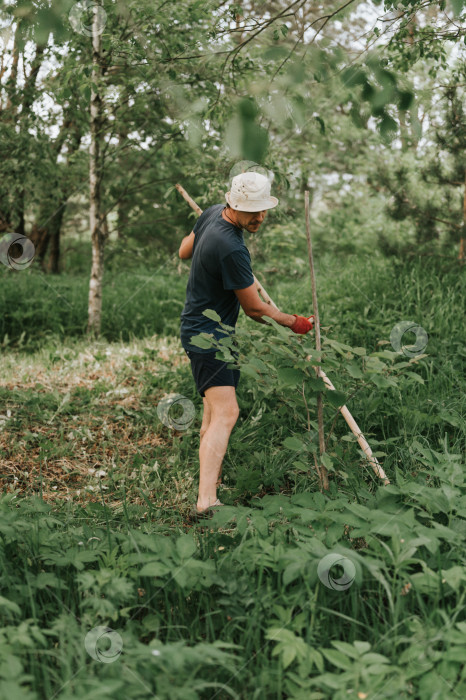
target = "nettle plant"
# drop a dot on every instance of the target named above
(284, 385)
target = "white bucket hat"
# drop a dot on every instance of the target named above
(250, 192)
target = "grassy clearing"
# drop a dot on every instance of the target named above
(83, 409)
(96, 490)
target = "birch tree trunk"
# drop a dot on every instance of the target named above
(95, 177)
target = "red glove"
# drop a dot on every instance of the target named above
(302, 325)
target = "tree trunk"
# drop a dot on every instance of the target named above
(54, 234)
(40, 238)
(48, 229)
(123, 204)
(462, 251)
(21, 226)
(405, 135)
(53, 203)
(95, 175)
(11, 107)
(29, 92)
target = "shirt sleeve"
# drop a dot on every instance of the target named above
(236, 270)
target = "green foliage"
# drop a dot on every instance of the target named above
(185, 104)
(245, 138)
(379, 87)
(429, 189)
(134, 305)
(422, 35)
(259, 577)
(239, 605)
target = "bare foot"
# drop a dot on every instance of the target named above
(203, 510)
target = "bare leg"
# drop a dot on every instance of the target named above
(204, 426)
(205, 418)
(224, 412)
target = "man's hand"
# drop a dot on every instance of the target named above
(302, 325)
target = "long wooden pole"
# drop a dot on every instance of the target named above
(355, 429)
(320, 407)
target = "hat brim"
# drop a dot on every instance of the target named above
(253, 206)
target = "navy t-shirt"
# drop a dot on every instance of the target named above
(220, 264)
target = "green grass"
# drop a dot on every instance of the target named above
(96, 492)
(37, 308)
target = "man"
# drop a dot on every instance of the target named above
(221, 278)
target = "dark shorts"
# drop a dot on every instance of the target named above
(207, 371)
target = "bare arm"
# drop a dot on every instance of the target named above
(255, 308)
(186, 248)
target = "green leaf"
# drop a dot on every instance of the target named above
(9, 605)
(347, 649)
(388, 126)
(405, 99)
(380, 381)
(224, 356)
(373, 658)
(154, 568)
(414, 376)
(292, 443)
(336, 398)
(327, 461)
(321, 124)
(337, 659)
(454, 577)
(203, 340)
(450, 418)
(275, 53)
(317, 657)
(254, 139)
(361, 646)
(354, 371)
(281, 330)
(288, 655)
(292, 572)
(342, 348)
(316, 384)
(353, 76)
(250, 371)
(259, 364)
(213, 315)
(458, 6)
(290, 376)
(182, 577)
(185, 546)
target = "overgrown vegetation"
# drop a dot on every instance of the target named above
(94, 523)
